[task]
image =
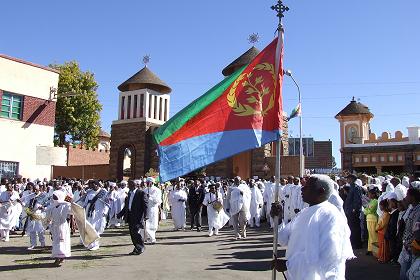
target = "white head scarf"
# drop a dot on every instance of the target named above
(405, 181)
(415, 184)
(60, 197)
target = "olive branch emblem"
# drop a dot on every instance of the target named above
(256, 90)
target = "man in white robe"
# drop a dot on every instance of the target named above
(34, 226)
(268, 197)
(217, 218)
(399, 189)
(177, 199)
(154, 196)
(96, 210)
(239, 205)
(256, 205)
(57, 214)
(113, 205)
(8, 203)
(318, 239)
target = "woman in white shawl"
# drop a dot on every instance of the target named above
(217, 218)
(60, 230)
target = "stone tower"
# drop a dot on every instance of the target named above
(354, 126)
(143, 106)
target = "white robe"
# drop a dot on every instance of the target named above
(9, 210)
(35, 225)
(178, 207)
(215, 219)
(240, 202)
(60, 229)
(98, 217)
(154, 195)
(318, 244)
(113, 210)
(337, 201)
(292, 200)
(256, 202)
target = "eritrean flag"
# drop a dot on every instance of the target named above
(242, 112)
(296, 112)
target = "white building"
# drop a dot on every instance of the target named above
(27, 119)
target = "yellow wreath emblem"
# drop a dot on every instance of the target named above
(256, 94)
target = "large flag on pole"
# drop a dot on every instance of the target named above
(242, 112)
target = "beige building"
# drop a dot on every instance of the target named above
(364, 151)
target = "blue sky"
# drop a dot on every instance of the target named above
(336, 50)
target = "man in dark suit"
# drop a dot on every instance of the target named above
(195, 202)
(352, 207)
(135, 213)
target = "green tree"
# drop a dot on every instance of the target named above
(77, 119)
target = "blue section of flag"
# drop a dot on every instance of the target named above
(193, 153)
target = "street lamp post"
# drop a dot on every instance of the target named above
(301, 164)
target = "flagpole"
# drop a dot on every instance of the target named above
(280, 9)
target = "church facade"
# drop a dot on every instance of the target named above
(364, 151)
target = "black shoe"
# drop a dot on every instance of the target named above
(137, 252)
(199, 229)
(368, 253)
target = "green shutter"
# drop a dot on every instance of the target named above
(11, 106)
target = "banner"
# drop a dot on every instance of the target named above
(88, 234)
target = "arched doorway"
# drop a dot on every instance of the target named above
(126, 166)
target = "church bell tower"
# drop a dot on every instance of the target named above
(143, 106)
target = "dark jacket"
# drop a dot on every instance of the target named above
(138, 212)
(391, 231)
(195, 197)
(353, 200)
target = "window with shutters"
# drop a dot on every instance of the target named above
(11, 106)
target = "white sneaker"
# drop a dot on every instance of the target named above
(216, 232)
(94, 248)
(210, 233)
(31, 247)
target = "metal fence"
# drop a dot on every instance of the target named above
(9, 169)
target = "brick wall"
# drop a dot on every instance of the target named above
(81, 156)
(38, 111)
(322, 156)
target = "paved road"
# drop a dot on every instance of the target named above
(178, 255)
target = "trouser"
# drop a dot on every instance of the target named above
(136, 234)
(4, 234)
(196, 217)
(41, 237)
(354, 224)
(371, 221)
(239, 223)
(255, 221)
(393, 249)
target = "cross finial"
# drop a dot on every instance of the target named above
(280, 8)
(254, 38)
(146, 59)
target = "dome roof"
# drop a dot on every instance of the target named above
(145, 79)
(103, 133)
(354, 108)
(244, 59)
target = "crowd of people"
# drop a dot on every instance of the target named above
(381, 211)
(385, 212)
